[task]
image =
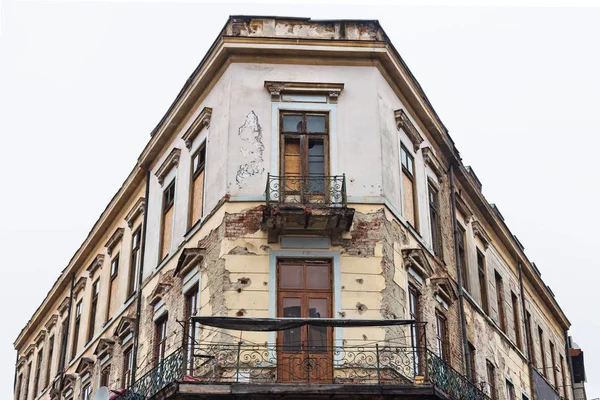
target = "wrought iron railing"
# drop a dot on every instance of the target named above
(169, 370)
(314, 191)
(453, 383)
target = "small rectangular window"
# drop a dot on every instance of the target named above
(482, 281)
(105, 377)
(500, 301)
(38, 370)
(50, 356)
(86, 392)
(529, 334)
(472, 365)
(409, 191)
(93, 309)
(510, 390)
(76, 327)
(553, 365)
(191, 307)
(112, 288)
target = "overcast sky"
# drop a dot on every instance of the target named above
(83, 84)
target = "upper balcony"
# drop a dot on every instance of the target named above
(314, 204)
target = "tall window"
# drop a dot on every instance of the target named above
(93, 308)
(76, 327)
(27, 381)
(510, 391)
(38, 371)
(63, 346)
(516, 320)
(462, 257)
(491, 379)
(197, 192)
(414, 314)
(529, 336)
(553, 365)
(564, 378)
(105, 377)
(167, 222)
(19, 384)
(135, 262)
(482, 281)
(434, 216)
(473, 371)
(442, 336)
(543, 355)
(127, 367)
(112, 287)
(49, 363)
(500, 301)
(86, 392)
(409, 189)
(191, 305)
(304, 157)
(161, 339)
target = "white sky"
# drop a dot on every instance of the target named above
(82, 84)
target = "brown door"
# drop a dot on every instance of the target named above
(304, 291)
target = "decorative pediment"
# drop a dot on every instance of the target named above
(64, 305)
(463, 208)
(95, 264)
(30, 350)
(114, 240)
(85, 365)
(21, 361)
(404, 123)
(170, 162)
(159, 292)
(433, 162)
(478, 231)
(331, 90)
(68, 384)
(40, 337)
(189, 259)
(125, 328)
(443, 288)
(136, 211)
(51, 322)
(416, 259)
(105, 346)
(202, 121)
(79, 286)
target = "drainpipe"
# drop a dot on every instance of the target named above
(138, 309)
(463, 322)
(65, 338)
(527, 331)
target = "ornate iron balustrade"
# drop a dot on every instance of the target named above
(315, 191)
(166, 372)
(450, 381)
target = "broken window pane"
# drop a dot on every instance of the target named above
(292, 123)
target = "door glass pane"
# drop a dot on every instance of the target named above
(292, 123)
(291, 276)
(316, 165)
(317, 276)
(291, 337)
(317, 335)
(315, 123)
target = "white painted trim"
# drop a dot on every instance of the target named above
(159, 313)
(333, 143)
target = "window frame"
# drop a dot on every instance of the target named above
(435, 220)
(441, 335)
(472, 362)
(510, 390)
(191, 303)
(411, 175)
(49, 362)
(483, 283)
(127, 367)
(93, 309)
(161, 334)
(500, 300)
(195, 173)
(134, 261)
(516, 319)
(491, 377)
(168, 202)
(114, 274)
(462, 256)
(76, 328)
(86, 392)
(38, 372)
(543, 356)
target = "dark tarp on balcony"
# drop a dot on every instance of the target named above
(281, 324)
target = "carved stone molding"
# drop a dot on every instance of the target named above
(188, 259)
(201, 122)
(114, 239)
(86, 364)
(478, 231)
(40, 337)
(21, 361)
(433, 162)
(30, 350)
(136, 211)
(443, 288)
(172, 161)
(463, 208)
(79, 286)
(51, 322)
(159, 292)
(417, 259)
(105, 346)
(95, 264)
(404, 123)
(64, 305)
(126, 326)
(330, 90)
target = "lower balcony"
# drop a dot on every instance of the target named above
(219, 370)
(312, 204)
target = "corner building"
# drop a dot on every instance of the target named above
(301, 172)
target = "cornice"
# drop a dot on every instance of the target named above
(136, 210)
(330, 90)
(202, 121)
(404, 123)
(95, 264)
(114, 239)
(479, 231)
(40, 337)
(172, 161)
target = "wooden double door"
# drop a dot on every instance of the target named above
(305, 354)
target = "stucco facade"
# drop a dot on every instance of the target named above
(389, 241)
